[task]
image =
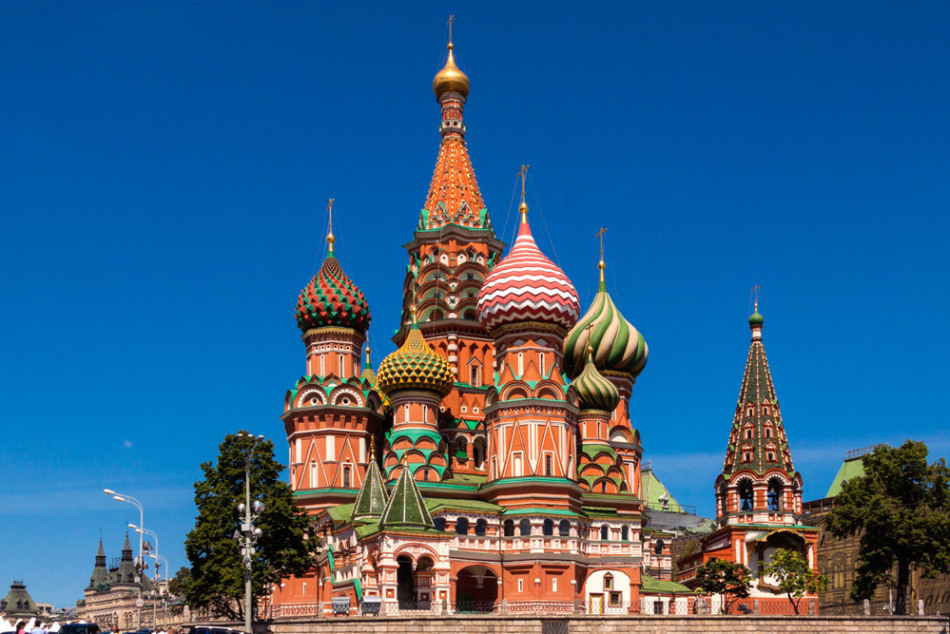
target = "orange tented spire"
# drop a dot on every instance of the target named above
(454, 197)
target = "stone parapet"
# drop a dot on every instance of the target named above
(472, 624)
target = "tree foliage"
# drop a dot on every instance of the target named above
(794, 576)
(731, 580)
(901, 508)
(216, 580)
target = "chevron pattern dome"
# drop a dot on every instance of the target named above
(415, 366)
(527, 286)
(593, 390)
(332, 299)
(617, 344)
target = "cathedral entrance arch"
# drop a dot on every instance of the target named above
(476, 589)
(406, 587)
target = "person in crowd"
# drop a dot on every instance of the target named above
(21, 627)
(38, 628)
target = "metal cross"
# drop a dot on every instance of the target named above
(600, 234)
(451, 19)
(522, 173)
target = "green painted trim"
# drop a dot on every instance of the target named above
(539, 511)
(316, 491)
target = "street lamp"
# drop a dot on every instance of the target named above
(140, 564)
(247, 532)
(151, 533)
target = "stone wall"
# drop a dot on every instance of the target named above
(609, 625)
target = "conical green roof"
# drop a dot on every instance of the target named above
(406, 508)
(618, 346)
(99, 576)
(371, 500)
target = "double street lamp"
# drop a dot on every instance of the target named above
(140, 562)
(247, 532)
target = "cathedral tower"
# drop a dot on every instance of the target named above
(332, 413)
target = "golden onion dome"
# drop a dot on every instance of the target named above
(415, 366)
(450, 78)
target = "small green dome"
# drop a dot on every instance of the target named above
(415, 366)
(593, 390)
(756, 319)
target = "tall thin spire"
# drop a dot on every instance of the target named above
(601, 265)
(330, 237)
(523, 207)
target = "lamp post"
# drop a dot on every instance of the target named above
(247, 532)
(140, 530)
(140, 563)
(163, 592)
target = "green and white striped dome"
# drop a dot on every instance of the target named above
(593, 390)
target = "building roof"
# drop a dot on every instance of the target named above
(757, 440)
(406, 507)
(655, 493)
(851, 468)
(593, 389)
(415, 365)
(18, 603)
(618, 346)
(371, 499)
(651, 584)
(527, 286)
(332, 299)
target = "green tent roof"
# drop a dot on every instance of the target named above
(653, 490)
(406, 508)
(651, 584)
(851, 468)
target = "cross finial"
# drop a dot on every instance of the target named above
(449, 23)
(601, 265)
(330, 237)
(523, 207)
(755, 297)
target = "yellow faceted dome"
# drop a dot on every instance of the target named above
(450, 78)
(415, 366)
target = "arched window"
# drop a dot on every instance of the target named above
(346, 477)
(480, 527)
(479, 453)
(658, 547)
(520, 364)
(461, 526)
(604, 532)
(745, 495)
(508, 528)
(461, 448)
(608, 581)
(625, 533)
(439, 523)
(775, 495)
(524, 527)
(547, 529)
(548, 465)
(473, 375)
(564, 528)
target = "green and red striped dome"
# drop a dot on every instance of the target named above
(332, 299)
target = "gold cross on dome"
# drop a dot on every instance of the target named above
(600, 234)
(330, 237)
(449, 23)
(522, 173)
(755, 296)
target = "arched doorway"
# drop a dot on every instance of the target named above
(476, 590)
(406, 589)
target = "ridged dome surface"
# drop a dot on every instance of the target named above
(415, 366)
(527, 286)
(595, 391)
(332, 299)
(618, 346)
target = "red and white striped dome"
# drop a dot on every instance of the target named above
(527, 286)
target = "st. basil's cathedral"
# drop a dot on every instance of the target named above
(490, 463)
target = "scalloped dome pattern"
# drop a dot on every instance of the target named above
(618, 346)
(415, 366)
(595, 391)
(332, 299)
(527, 286)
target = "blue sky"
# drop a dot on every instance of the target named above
(165, 168)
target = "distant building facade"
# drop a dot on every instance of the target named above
(110, 598)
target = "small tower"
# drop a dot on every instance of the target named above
(100, 575)
(620, 354)
(600, 468)
(333, 412)
(758, 483)
(415, 378)
(528, 304)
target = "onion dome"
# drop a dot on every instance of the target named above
(527, 286)
(618, 347)
(332, 299)
(756, 319)
(593, 390)
(450, 78)
(415, 366)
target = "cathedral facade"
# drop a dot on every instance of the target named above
(489, 463)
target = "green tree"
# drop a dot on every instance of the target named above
(901, 508)
(216, 581)
(795, 578)
(731, 580)
(176, 588)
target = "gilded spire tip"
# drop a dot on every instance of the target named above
(523, 207)
(330, 237)
(372, 448)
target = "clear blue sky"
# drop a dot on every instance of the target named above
(164, 167)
